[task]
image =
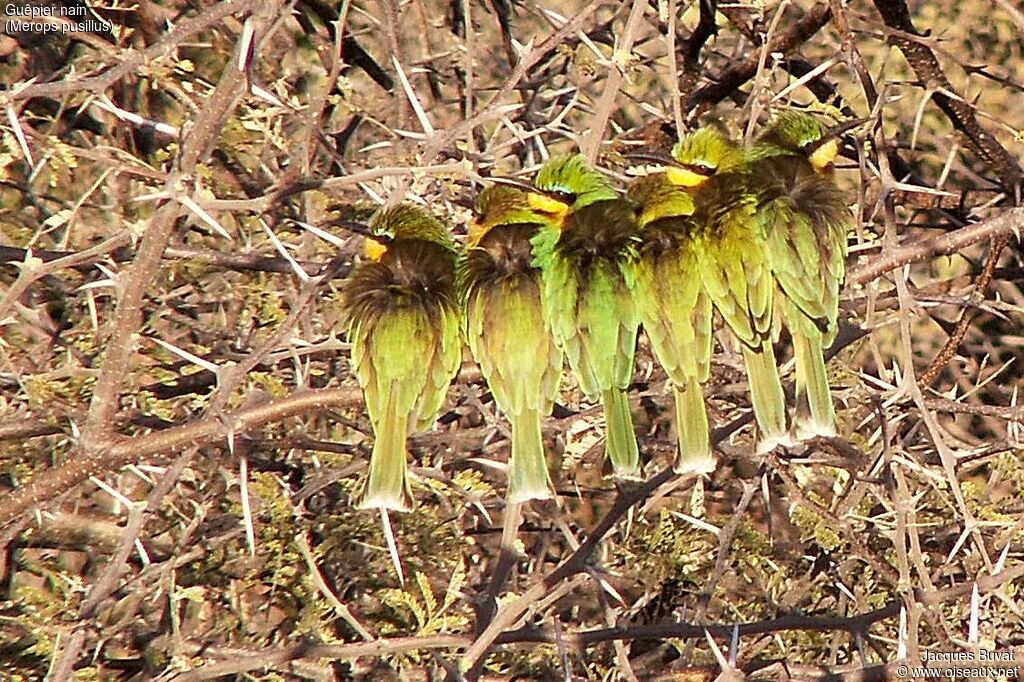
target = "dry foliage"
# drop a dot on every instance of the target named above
(180, 431)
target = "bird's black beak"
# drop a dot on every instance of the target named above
(355, 227)
(465, 201)
(834, 133)
(518, 184)
(650, 156)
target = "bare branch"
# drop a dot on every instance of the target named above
(1010, 221)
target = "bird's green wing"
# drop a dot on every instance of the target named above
(442, 366)
(607, 321)
(561, 288)
(808, 268)
(508, 334)
(805, 220)
(737, 275)
(392, 355)
(675, 310)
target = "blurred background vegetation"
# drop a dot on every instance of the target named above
(180, 430)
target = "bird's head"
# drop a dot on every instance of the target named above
(405, 222)
(501, 205)
(701, 154)
(568, 183)
(659, 198)
(799, 132)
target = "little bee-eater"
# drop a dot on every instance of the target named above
(805, 217)
(733, 262)
(586, 252)
(508, 331)
(674, 308)
(404, 333)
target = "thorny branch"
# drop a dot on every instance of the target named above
(237, 662)
(160, 445)
(897, 16)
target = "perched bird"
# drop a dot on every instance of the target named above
(805, 217)
(674, 308)
(730, 248)
(587, 251)
(404, 331)
(508, 330)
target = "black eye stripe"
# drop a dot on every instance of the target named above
(561, 195)
(699, 168)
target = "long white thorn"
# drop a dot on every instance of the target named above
(425, 123)
(243, 492)
(389, 537)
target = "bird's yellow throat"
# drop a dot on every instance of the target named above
(545, 204)
(375, 250)
(684, 177)
(825, 155)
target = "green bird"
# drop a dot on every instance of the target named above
(586, 252)
(674, 308)
(806, 218)
(404, 332)
(730, 249)
(508, 331)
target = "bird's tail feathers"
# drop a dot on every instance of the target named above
(528, 477)
(694, 454)
(814, 414)
(387, 485)
(620, 439)
(767, 396)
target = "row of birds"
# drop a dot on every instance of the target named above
(570, 268)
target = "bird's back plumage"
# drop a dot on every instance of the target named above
(587, 251)
(805, 218)
(507, 329)
(403, 328)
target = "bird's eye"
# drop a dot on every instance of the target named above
(563, 195)
(701, 168)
